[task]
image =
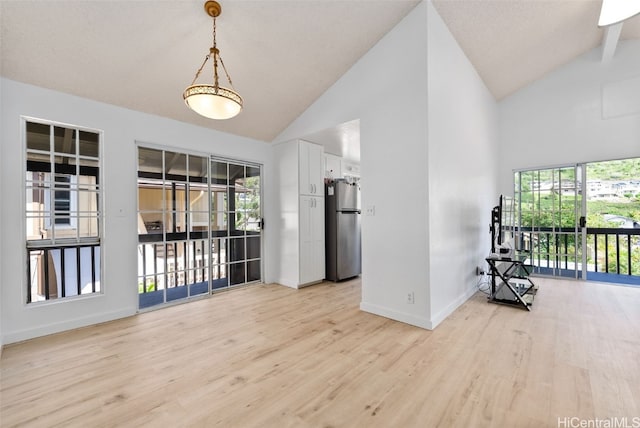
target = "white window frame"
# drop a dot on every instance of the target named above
(78, 241)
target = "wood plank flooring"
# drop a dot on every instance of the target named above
(270, 356)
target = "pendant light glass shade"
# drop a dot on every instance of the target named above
(213, 101)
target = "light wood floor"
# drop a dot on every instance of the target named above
(270, 356)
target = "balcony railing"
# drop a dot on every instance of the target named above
(609, 250)
(58, 271)
(626, 243)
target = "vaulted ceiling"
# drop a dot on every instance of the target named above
(282, 55)
(512, 43)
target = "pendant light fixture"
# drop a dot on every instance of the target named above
(616, 11)
(213, 101)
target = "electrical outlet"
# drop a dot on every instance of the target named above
(479, 271)
(411, 298)
(370, 210)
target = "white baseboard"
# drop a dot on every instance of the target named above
(417, 321)
(31, 333)
(443, 314)
(396, 315)
(297, 286)
(309, 284)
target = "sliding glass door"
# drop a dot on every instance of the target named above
(236, 223)
(199, 225)
(550, 219)
(613, 213)
(582, 221)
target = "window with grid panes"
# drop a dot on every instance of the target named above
(62, 210)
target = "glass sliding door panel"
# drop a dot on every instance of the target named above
(549, 204)
(253, 247)
(237, 275)
(253, 271)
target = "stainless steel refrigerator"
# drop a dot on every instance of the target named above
(342, 229)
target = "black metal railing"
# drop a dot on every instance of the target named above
(175, 263)
(609, 250)
(626, 243)
(59, 271)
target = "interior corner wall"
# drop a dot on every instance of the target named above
(565, 117)
(463, 138)
(387, 90)
(122, 129)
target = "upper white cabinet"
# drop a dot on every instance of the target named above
(337, 167)
(310, 161)
(332, 166)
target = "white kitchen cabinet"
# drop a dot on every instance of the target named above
(310, 161)
(332, 166)
(337, 167)
(312, 252)
(300, 220)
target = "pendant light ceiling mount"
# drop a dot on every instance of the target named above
(213, 9)
(213, 101)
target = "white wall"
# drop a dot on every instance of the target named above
(122, 128)
(463, 138)
(432, 184)
(387, 90)
(1, 223)
(559, 119)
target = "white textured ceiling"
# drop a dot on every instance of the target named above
(281, 54)
(512, 43)
(141, 55)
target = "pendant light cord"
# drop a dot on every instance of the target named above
(216, 56)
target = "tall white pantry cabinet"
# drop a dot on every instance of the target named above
(300, 171)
